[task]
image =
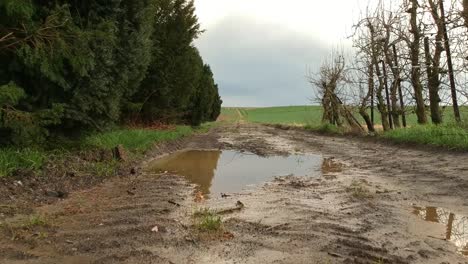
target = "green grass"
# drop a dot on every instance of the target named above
(311, 115)
(26, 159)
(140, 140)
(451, 136)
(36, 220)
(287, 115)
(136, 141)
(207, 220)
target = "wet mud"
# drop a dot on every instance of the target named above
(336, 200)
(223, 172)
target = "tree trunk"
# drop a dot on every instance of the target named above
(364, 102)
(433, 84)
(465, 12)
(398, 86)
(395, 113)
(392, 101)
(456, 109)
(387, 95)
(416, 71)
(433, 64)
(380, 99)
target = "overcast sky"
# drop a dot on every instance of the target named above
(261, 50)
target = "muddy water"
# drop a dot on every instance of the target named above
(216, 172)
(456, 226)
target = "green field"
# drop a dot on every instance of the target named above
(299, 115)
(308, 115)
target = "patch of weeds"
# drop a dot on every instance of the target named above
(12, 160)
(36, 221)
(102, 169)
(208, 220)
(358, 189)
(22, 229)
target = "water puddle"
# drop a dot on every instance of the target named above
(456, 225)
(216, 172)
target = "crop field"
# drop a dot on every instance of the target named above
(309, 115)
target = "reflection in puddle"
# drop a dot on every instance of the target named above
(457, 225)
(218, 172)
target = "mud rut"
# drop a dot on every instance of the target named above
(288, 220)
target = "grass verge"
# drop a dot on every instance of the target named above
(136, 141)
(450, 136)
(12, 160)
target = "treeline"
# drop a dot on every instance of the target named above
(69, 66)
(409, 57)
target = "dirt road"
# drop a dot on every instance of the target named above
(370, 206)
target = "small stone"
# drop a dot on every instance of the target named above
(18, 183)
(57, 194)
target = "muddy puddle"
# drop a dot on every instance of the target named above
(222, 172)
(456, 226)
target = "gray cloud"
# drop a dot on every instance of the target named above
(259, 64)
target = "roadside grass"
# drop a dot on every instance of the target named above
(135, 141)
(25, 159)
(207, 220)
(138, 140)
(451, 135)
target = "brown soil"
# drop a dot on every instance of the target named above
(360, 211)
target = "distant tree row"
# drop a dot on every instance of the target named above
(70, 66)
(409, 56)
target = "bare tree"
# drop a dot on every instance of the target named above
(365, 99)
(327, 81)
(404, 46)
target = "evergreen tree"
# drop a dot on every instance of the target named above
(74, 65)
